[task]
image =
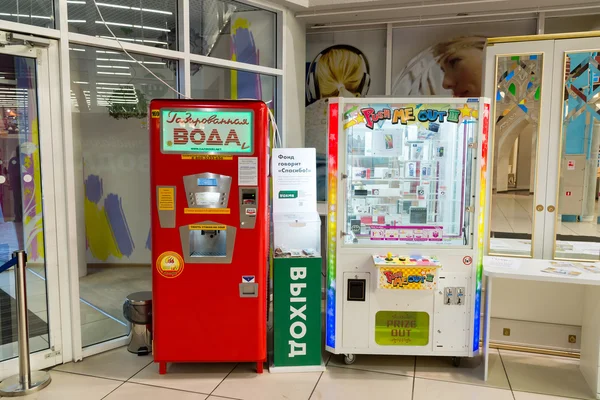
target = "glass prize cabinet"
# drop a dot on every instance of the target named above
(405, 225)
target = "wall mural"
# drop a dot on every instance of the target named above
(107, 231)
(244, 85)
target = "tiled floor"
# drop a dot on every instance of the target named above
(514, 376)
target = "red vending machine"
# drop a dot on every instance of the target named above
(209, 165)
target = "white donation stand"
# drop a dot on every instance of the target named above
(569, 273)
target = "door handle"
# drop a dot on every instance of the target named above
(551, 209)
(539, 208)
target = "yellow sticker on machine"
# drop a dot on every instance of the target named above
(407, 278)
(155, 114)
(220, 211)
(206, 157)
(166, 199)
(207, 227)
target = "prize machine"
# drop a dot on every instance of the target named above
(210, 230)
(406, 182)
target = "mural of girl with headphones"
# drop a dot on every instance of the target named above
(454, 66)
(339, 70)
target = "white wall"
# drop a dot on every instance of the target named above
(580, 23)
(294, 59)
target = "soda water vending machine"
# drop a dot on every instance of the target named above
(210, 230)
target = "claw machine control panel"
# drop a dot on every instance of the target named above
(209, 166)
(406, 191)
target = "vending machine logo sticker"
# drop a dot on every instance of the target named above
(414, 278)
(169, 264)
(401, 328)
(208, 132)
(251, 212)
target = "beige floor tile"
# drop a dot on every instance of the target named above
(115, 364)
(37, 302)
(469, 372)
(430, 390)
(350, 384)
(89, 314)
(74, 387)
(244, 383)
(398, 365)
(134, 391)
(554, 376)
(101, 331)
(107, 288)
(213, 397)
(535, 396)
(197, 378)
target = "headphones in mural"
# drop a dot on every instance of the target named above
(312, 87)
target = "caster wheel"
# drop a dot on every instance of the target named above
(349, 359)
(456, 361)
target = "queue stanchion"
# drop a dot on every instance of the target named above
(26, 382)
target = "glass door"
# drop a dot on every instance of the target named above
(518, 79)
(572, 220)
(27, 220)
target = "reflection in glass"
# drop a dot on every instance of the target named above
(233, 31)
(148, 22)
(517, 112)
(109, 113)
(21, 218)
(578, 229)
(31, 12)
(222, 83)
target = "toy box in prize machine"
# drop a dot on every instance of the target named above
(407, 182)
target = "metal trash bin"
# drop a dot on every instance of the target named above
(137, 309)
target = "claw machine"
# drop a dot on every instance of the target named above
(406, 218)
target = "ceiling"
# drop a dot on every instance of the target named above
(331, 14)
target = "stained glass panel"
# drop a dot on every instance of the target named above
(517, 113)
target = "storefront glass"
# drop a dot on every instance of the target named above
(110, 96)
